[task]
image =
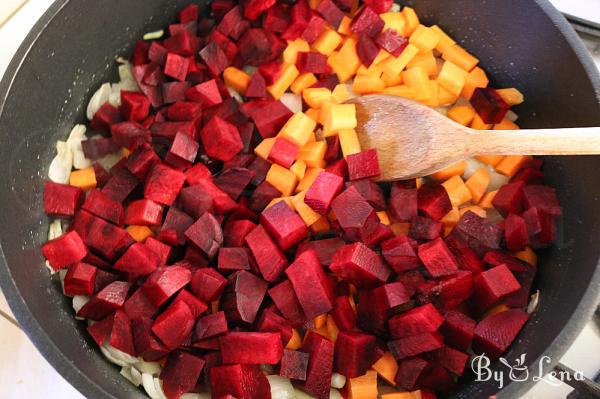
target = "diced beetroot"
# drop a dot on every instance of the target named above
(107, 240)
(287, 303)
(251, 347)
(183, 151)
(497, 258)
(528, 176)
(416, 321)
(437, 258)
(277, 18)
(283, 153)
(143, 212)
(163, 251)
(315, 26)
(206, 234)
(80, 279)
(371, 192)
(215, 58)
(271, 321)
(188, 13)
(61, 200)
(138, 306)
(269, 258)
(399, 254)
(322, 192)
(234, 181)
(270, 71)
(515, 232)
(411, 280)
(176, 66)
(101, 205)
(343, 314)
(206, 93)
(174, 91)
(154, 93)
(116, 330)
(328, 81)
(257, 88)
(255, 47)
(320, 365)
(354, 353)
(106, 116)
(221, 139)
(157, 53)
(102, 176)
(375, 306)
(138, 260)
(367, 22)
(311, 285)
(208, 284)
(165, 282)
(184, 111)
(509, 198)
(489, 105)
(174, 226)
(180, 374)
(433, 200)
(140, 52)
(520, 298)
(141, 160)
(120, 185)
(410, 371)
(360, 266)
(325, 249)
(99, 147)
(437, 379)
(330, 11)
(166, 131)
(300, 14)
(242, 297)
(451, 291)
(233, 23)
(196, 173)
(452, 359)
(366, 49)
(458, 330)
(403, 203)
(333, 152)
(268, 115)
(479, 233)
(284, 225)
(254, 8)
(424, 228)
(241, 381)
(103, 279)
(374, 232)
(494, 334)
(294, 365)
(195, 201)
(363, 164)
(236, 231)
(196, 305)
(467, 258)
(134, 106)
(543, 198)
(233, 259)
(492, 285)
(210, 326)
(174, 325)
(109, 299)
(379, 6)
(163, 184)
(64, 250)
(129, 134)
(392, 42)
(221, 201)
(415, 344)
(351, 210)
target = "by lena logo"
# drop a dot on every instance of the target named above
(519, 372)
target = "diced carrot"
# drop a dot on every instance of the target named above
(372, 70)
(303, 81)
(365, 84)
(214, 306)
(383, 218)
(400, 91)
(445, 40)
(496, 309)
(349, 142)
(473, 208)
(417, 79)
(446, 98)
(298, 129)
(287, 200)
(332, 329)
(363, 387)
(425, 60)
(320, 226)
(139, 233)
(394, 21)
(381, 56)
(340, 93)
(339, 116)
(486, 200)
(425, 38)
(400, 228)
(313, 113)
(331, 216)
(308, 215)
(411, 18)
(295, 342)
(433, 100)
(282, 179)
(460, 57)
(512, 96)
(309, 177)
(457, 190)
(327, 42)
(345, 62)
(393, 66)
(478, 184)
(312, 153)
(452, 78)
(321, 331)
(451, 218)
(289, 73)
(391, 80)
(315, 97)
(237, 79)
(401, 395)
(455, 169)
(313, 4)
(344, 27)
(320, 320)
(479, 124)
(491, 160)
(299, 168)
(387, 367)
(527, 255)
(351, 299)
(83, 178)
(510, 164)
(462, 114)
(125, 152)
(290, 54)
(506, 124)
(264, 148)
(476, 78)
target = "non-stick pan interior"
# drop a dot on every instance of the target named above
(71, 52)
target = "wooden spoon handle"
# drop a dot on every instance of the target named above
(567, 141)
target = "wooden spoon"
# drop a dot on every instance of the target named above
(414, 140)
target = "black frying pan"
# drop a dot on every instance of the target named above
(70, 51)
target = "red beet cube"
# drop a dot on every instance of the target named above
(61, 200)
(233, 259)
(489, 105)
(153, 93)
(467, 258)
(418, 320)
(363, 164)
(287, 303)
(120, 185)
(141, 160)
(174, 91)
(215, 58)
(181, 373)
(403, 203)
(233, 23)
(283, 153)
(80, 279)
(165, 282)
(251, 347)
(138, 260)
(98, 147)
(351, 210)
(234, 180)
(176, 66)
(106, 116)
(257, 88)
(143, 212)
(183, 42)
(515, 233)
(255, 48)
(101, 205)
(196, 173)
(543, 198)
(379, 6)
(262, 196)
(300, 14)
(268, 115)
(374, 232)
(392, 42)
(163, 184)
(208, 284)
(480, 234)
(399, 254)
(509, 198)
(366, 50)
(294, 365)
(116, 330)
(415, 344)
(235, 232)
(311, 284)
(494, 334)
(241, 381)
(184, 111)
(410, 371)
(424, 228)
(458, 330)
(330, 11)
(437, 258)
(242, 297)
(371, 192)
(284, 225)
(206, 234)
(254, 8)
(206, 93)
(322, 192)
(174, 325)
(270, 71)
(325, 249)
(221, 139)
(64, 250)
(277, 18)
(355, 353)
(210, 326)
(359, 265)
(367, 22)
(320, 365)
(107, 300)
(433, 200)
(313, 29)
(452, 359)
(269, 258)
(311, 62)
(183, 151)
(134, 106)
(271, 321)
(138, 306)
(492, 285)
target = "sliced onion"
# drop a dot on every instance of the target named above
(61, 275)
(472, 165)
(148, 367)
(74, 141)
(511, 116)
(132, 375)
(338, 380)
(292, 101)
(533, 302)
(54, 229)
(302, 395)
(493, 215)
(249, 69)
(235, 94)
(201, 395)
(115, 96)
(78, 302)
(497, 180)
(159, 388)
(110, 160)
(116, 356)
(395, 7)
(97, 100)
(335, 394)
(157, 34)
(281, 388)
(148, 384)
(61, 165)
(442, 110)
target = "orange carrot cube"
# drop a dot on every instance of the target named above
(83, 178)
(290, 54)
(462, 114)
(288, 74)
(302, 82)
(298, 129)
(452, 78)
(282, 179)
(460, 57)
(327, 42)
(237, 79)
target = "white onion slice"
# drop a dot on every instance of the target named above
(201, 395)
(116, 356)
(281, 388)
(534, 302)
(110, 160)
(61, 275)
(511, 116)
(78, 302)
(60, 167)
(159, 389)
(335, 394)
(115, 96)
(75, 137)
(472, 165)
(54, 230)
(148, 367)
(292, 101)
(338, 380)
(131, 374)
(157, 34)
(302, 395)
(235, 94)
(497, 180)
(98, 100)
(148, 384)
